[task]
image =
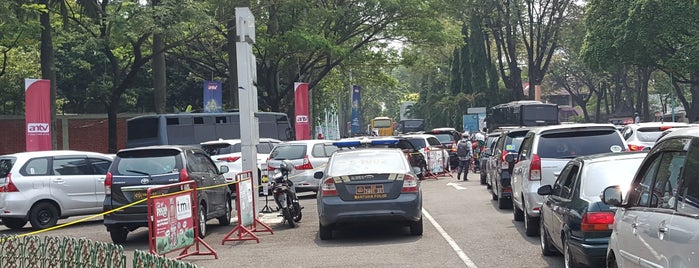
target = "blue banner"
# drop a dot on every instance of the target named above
(212, 97)
(471, 123)
(356, 120)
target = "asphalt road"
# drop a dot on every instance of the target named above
(462, 228)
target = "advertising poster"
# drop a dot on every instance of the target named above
(355, 123)
(245, 194)
(213, 97)
(173, 221)
(303, 125)
(38, 114)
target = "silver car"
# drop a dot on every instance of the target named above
(42, 187)
(657, 217)
(308, 156)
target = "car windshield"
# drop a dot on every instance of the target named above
(367, 162)
(444, 137)
(600, 175)
(5, 166)
(418, 142)
(152, 165)
(221, 148)
(577, 143)
(512, 143)
(288, 151)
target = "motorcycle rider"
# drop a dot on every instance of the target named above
(464, 153)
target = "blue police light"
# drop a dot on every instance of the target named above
(347, 143)
(365, 142)
(386, 141)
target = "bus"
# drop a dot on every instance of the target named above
(194, 128)
(522, 113)
(411, 125)
(382, 126)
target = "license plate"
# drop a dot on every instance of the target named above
(140, 195)
(374, 191)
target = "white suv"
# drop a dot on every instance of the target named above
(41, 187)
(656, 223)
(308, 156)
(543, 154)
(227, 152)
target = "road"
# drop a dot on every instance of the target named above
(463, 228)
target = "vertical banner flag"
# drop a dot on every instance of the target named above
(356, 104)
(38, 114)
(212, 97)
(303, 126)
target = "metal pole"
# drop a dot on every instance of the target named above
(673, 97)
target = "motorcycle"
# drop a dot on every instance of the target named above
(284, 194)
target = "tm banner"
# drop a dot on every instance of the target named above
(213, 97)
(302, 126)
(38, 114)
(356, 121)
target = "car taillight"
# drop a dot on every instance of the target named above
(306, 164)
(108, 183)
(229, 159)
(409, 184)
(504, 154)
(328, 187)
(9, 185)
(269, 167)
(535, 168)
(597, 221)
(636, 147)
(184, 176)
(427, 148)
(453, 146)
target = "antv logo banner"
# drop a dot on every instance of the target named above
(302, 125)
(213, 97)
(38, 114)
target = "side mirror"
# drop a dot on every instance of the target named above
(223, 169)
(544, 190)
(318, 175)
(612, 196)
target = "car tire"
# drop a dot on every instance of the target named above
(14, 223)
(504, 203)
(547, 249)
(568, 259)
(518, 213)
(43, 215)
(493, 195)
(611, 260)
(225, 220)
(202, 221)
(416, 227)
(325, 232)
(118, 235)
(531, 224)
(482, 178)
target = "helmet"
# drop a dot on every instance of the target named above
(286, 165)
(465, 134)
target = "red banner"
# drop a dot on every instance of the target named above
(303, 126)
(38, 114)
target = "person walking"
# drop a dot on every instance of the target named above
(464, 153)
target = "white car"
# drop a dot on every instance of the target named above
(433, 150)
(308, 156)
(228, 152)
(642, 136)
(44, 186)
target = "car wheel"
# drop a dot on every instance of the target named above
(14, 223)
(202, 221)
(43, 215)
(547, 249)
(493, 195)
(611, 260)
(518, 213)
(504, 203)
(325, 232)
(568, 258)
(225, 220)
(531, 224)
(416, 227)
(482, 177)
(118, 235)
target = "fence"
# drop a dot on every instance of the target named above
(64, 252)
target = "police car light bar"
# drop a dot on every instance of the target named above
(365, 142)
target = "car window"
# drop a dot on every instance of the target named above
(513, 142)
(288, 151)
(665, 184)
(323, 150)
(627, 132)
(567, 181)
(599, 175)
(264, 148)
(196, 162)
(688, 193)
(36, 167)
(639, 195)
(433, 141)
(444, 137)
(152, 165)
(206, 163)
(526, 147)
(100, 166)
(221, 148)
(576, 143)
(418, 142)
(648, 134)
(363, 162)
(5, 167)
(72, 166)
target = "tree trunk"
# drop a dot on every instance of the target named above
(48, 68)
(159, 74)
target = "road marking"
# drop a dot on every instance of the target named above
(450, 240)
(456, 186)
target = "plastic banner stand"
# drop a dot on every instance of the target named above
(247, 220)
(171, 222)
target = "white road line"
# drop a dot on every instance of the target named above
(450, 240)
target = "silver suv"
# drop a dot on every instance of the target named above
(42, 187)
(543, 154)
(656, 223)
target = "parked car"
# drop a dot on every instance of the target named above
(499, 171)
(574, 221)
(490, 141)
(656, 221)
(642, 136)
(228, 152)
(544, 152)
(368, 185)
(448, 137)
(435, 154)
(308, 156)
(42, 187)
(137, 169)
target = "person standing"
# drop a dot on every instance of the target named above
(464, 153)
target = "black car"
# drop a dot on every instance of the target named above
(574, 220)
(499, 171)
(448, 137)
(135, 170)
(490, 142)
